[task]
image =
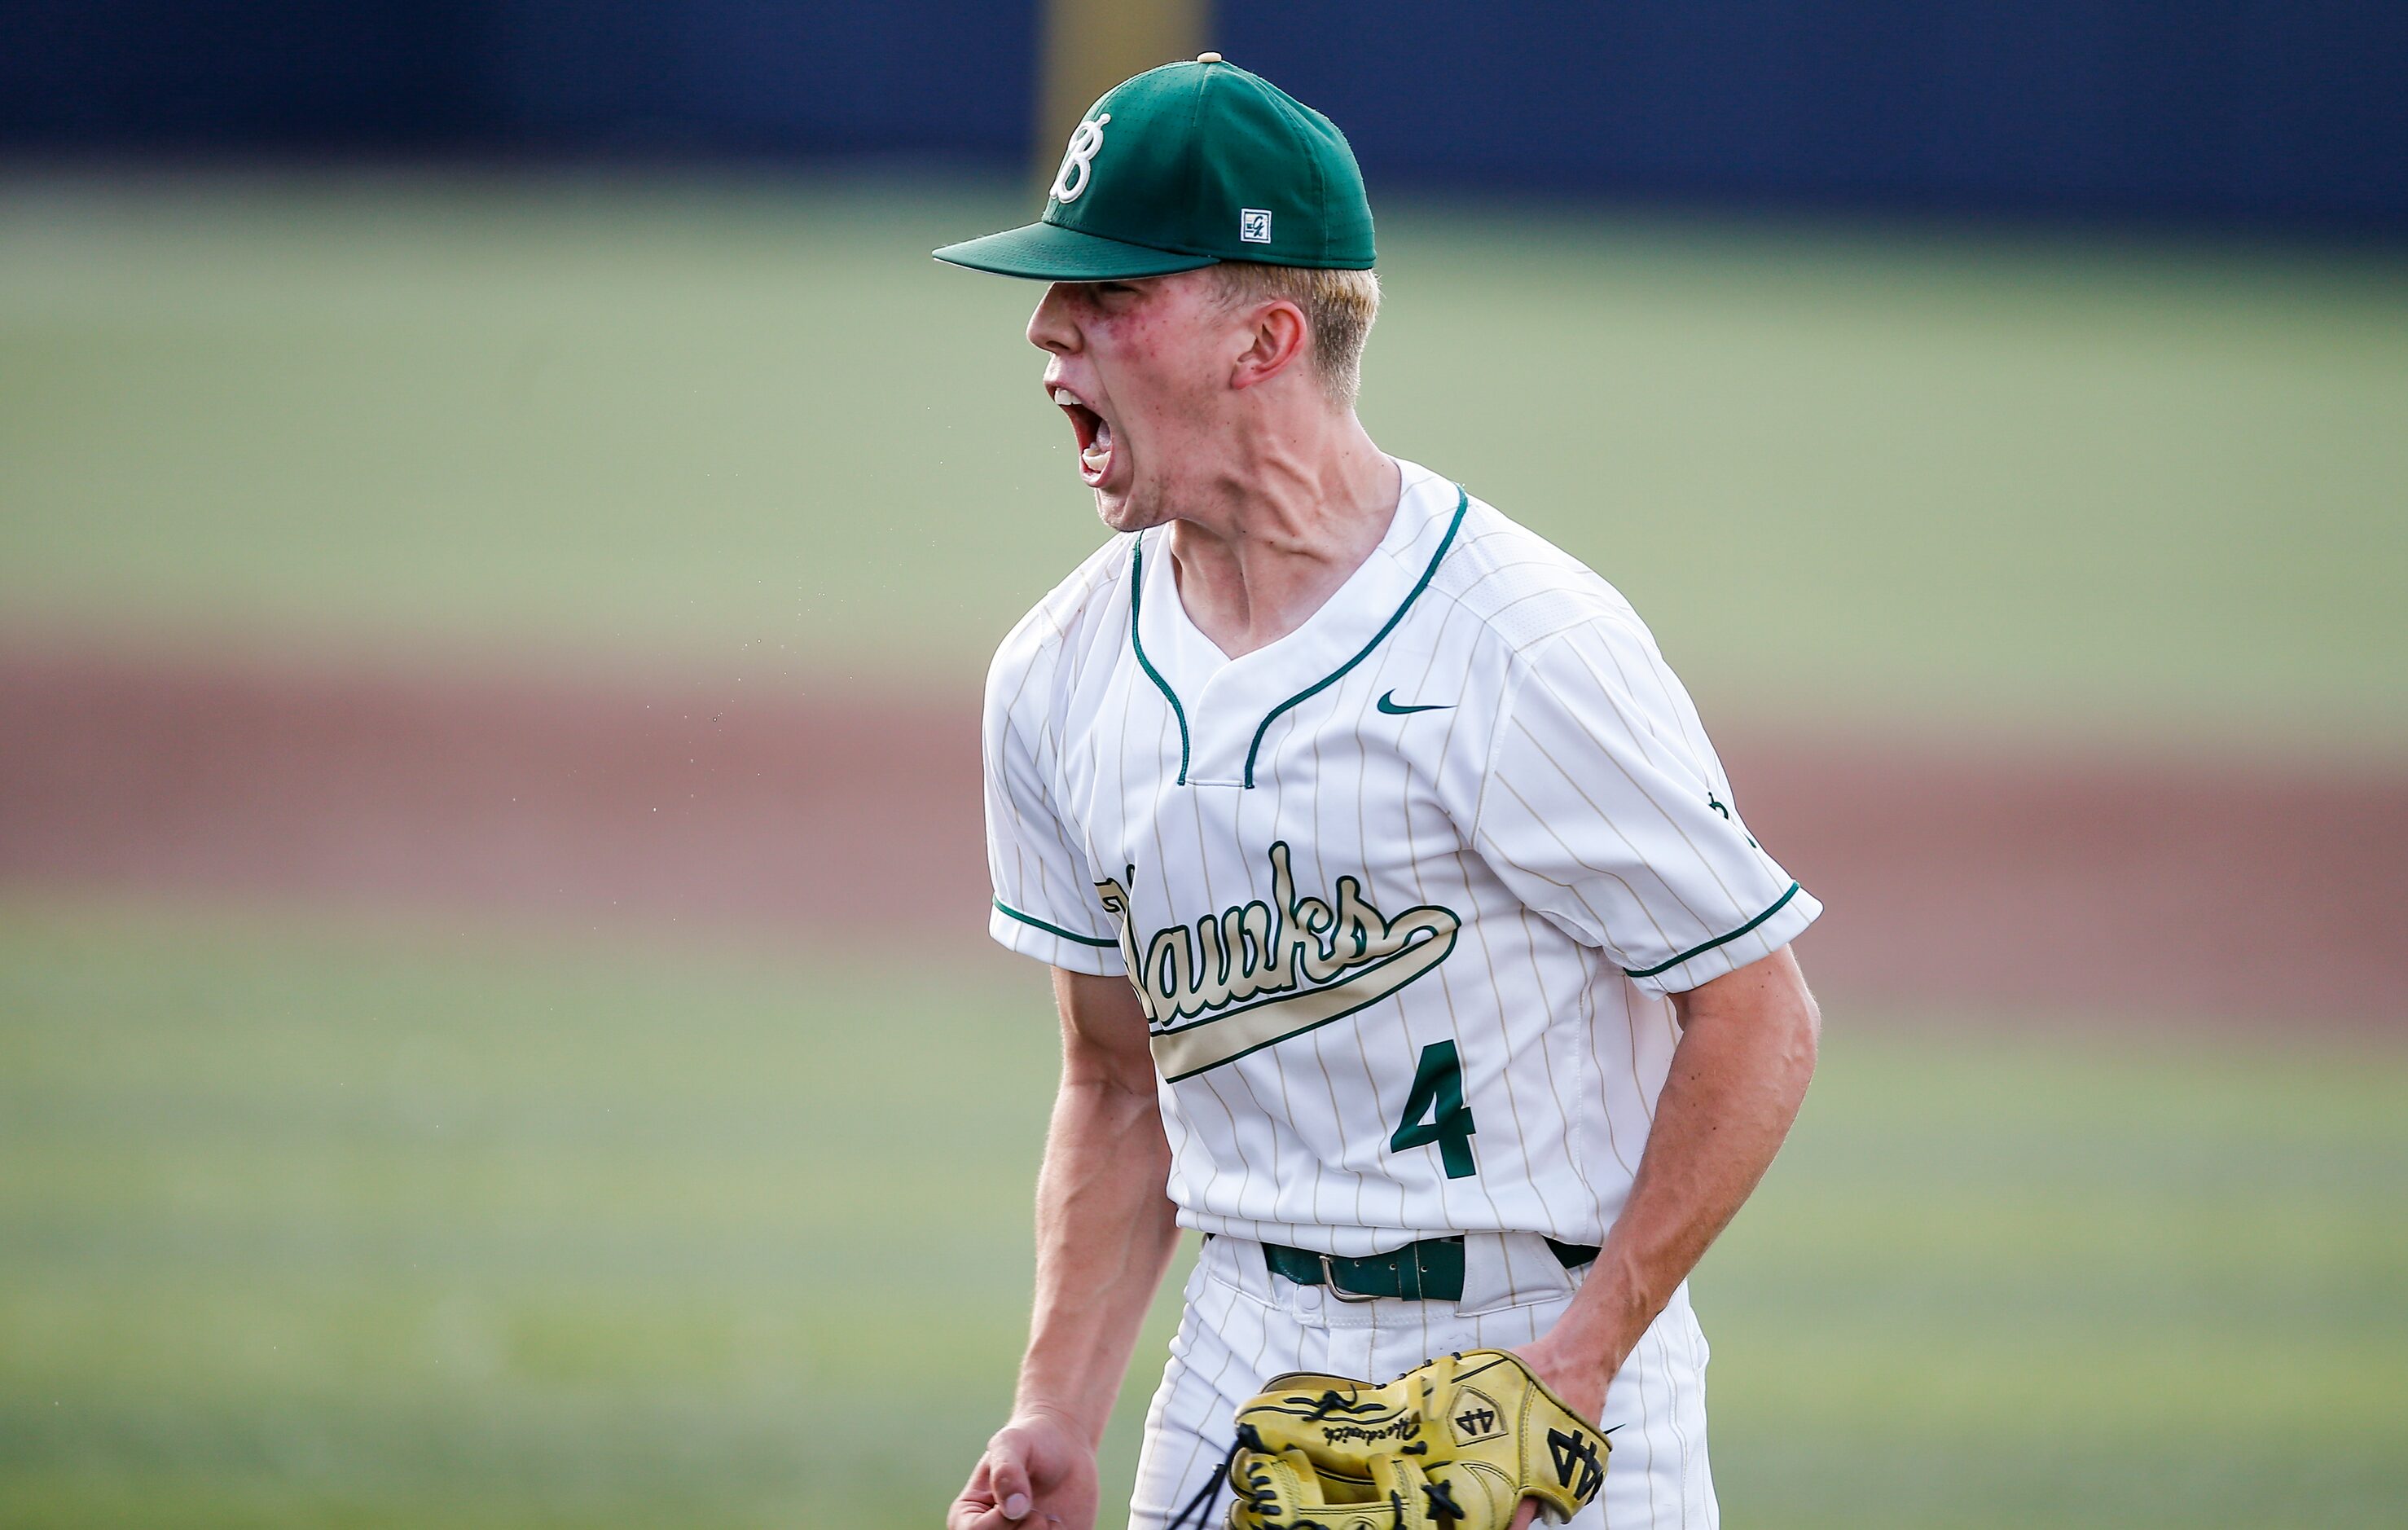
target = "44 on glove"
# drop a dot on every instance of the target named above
(1454, 1445)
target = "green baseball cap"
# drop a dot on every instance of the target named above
(1187, 166)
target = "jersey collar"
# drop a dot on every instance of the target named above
(1228, 707)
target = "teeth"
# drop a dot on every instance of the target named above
(1096, 456)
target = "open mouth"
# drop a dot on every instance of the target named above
(1094, 434)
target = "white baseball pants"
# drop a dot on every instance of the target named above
(1244, 1325)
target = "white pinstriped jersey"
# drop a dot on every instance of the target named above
(1403, 893)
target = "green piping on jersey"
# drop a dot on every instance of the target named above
(1137, 592)
(1003, 908)
(1462, 503)
(1778, 904)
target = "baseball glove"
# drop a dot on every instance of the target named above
(1455, 1445)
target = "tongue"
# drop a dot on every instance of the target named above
(1098, 450)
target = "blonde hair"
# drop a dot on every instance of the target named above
(1338, 306)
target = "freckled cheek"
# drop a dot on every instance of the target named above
(1134, 362)
(1139, 340)
(1153, 371)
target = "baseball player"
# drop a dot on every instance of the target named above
(1406, 939)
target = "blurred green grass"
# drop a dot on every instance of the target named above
(309, 1223)
(2073, 485)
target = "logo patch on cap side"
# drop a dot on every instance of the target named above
(1078, 170)
(1255, 225)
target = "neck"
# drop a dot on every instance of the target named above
(1293, 514)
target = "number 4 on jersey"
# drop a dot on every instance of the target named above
(1435, 1112)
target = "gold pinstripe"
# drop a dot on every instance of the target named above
(1416, 862)
(1605, 692)
(1572, 780)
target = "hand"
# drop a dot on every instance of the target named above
(1573, 1374)
(1038, 1473)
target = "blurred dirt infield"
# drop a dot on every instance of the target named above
(2159, 888)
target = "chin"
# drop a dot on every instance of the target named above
(1128, 509)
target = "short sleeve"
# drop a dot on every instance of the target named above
(1604, 808)
(1045, 904)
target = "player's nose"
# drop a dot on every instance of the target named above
(1050, 327)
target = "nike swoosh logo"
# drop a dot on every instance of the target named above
(1389, 705)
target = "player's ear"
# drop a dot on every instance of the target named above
(1278, 338)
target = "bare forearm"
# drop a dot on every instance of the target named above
(1738, 1077)
(1104, 1238)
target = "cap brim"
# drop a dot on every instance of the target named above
(1047, 252)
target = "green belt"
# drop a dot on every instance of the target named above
(1429, 1271)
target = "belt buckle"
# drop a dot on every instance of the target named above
(1336, 1292)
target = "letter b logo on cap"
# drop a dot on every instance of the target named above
(1209, 163)
(1078, 169)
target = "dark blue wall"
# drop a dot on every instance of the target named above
(948, 78)
(931, 78)
(203, 75)
(2242, 112)
(2274, 110)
